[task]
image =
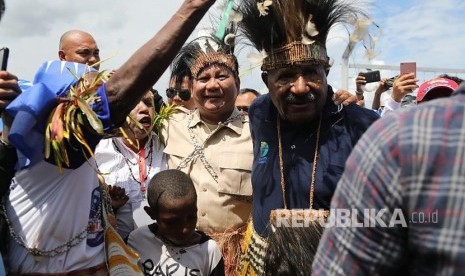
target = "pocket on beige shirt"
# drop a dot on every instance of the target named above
(235, 172)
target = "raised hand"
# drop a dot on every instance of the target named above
(359, 82)
(403, 85)
(9, 88)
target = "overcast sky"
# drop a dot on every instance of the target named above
(426, 31)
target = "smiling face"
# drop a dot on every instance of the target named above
(299, 92)
(144, 113)
(214, 91)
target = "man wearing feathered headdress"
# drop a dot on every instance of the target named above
(212, 144)
(301, 139)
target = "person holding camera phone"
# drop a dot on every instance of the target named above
(377, 105)
(361, 80)
(9, 90)
(402, 86)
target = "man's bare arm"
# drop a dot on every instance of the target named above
(130, 82)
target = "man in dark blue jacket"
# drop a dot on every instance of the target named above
(301, 139)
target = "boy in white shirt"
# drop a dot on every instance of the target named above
(171, 246)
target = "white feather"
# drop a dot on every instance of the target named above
(204, 32)
(263, 7)
(310, 28)
(256, 59)
(307, 40)
(377, 35)
(361, 29)
(236, 16)
(229, 39)
(205, 39)
(370, 53)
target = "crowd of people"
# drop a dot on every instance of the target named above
(222, 180)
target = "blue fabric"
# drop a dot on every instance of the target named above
(2, 268)
(24, 84)
(32, 108)
(340, 131)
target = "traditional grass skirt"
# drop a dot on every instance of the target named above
(289, 247)
(229, 243)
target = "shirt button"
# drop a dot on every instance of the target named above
(203, 214)
(204, 189)
(293, 147)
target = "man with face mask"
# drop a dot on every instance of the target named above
(301, 139)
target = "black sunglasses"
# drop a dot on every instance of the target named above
(243, 108)
(184, 94)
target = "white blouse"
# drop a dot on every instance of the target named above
(119, 166)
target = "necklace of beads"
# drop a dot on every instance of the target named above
(142, 158)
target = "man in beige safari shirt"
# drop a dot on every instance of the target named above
(212, 144)
(220, 169)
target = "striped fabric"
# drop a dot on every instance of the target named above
(412, 163)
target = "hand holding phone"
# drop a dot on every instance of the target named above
(389, 82)
(371, 76)
(4, 52)
(408, 67)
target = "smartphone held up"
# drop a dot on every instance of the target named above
(4, 52)
(408, 67)
(371, 76)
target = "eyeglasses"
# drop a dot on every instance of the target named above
(184, 94)
(243, 108)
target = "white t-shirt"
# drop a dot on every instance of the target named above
(45, 216)
(157, 258)
(115, 168)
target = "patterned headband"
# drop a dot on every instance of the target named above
(296, 53)
(213, 58)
